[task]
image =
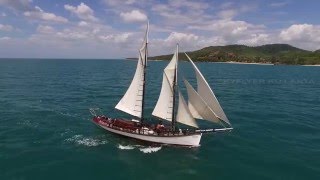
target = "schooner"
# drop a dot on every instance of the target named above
(171, 106)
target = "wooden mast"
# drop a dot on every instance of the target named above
(144, 74)
(173, 123)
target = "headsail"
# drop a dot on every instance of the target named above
(207, 95)
(132, 101)
(198, 107)
(164, 107)
(184, 115)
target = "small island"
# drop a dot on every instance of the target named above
(267, 54)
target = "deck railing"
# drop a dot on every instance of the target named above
(148, 131)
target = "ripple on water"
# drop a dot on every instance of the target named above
(86, 141)
(44, 118)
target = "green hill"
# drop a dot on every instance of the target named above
(270, 53)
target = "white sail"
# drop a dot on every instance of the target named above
(131, 102)
(198, 107)
(206, 93)
(184, 115)
(164, 106)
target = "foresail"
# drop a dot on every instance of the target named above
(184, 115)
(198, 107)
(164, 108)
(131, 102)
(206, 93)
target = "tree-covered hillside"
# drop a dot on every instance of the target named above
(271, 53)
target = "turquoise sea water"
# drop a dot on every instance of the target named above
(45, 132)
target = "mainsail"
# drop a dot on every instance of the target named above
(132, 101)
(164, 106)
(203, 103)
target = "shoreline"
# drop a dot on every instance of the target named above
(266, 64)
(229, 62)
(311, 65)
(234, 62)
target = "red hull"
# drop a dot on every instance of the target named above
(117, 123)
(136, 127)
(148, 133)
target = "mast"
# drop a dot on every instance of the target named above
(173, 123)
(144, 74)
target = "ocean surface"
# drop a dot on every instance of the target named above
(46, 133)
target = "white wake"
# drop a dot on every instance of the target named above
(144, 149)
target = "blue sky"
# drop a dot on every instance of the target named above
(114, 28)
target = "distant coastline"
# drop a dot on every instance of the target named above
(234, 62)
(312, 65)
(270, 54)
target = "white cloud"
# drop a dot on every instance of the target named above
(193, 24)
(187, 41)
(228, 31)
(90, 42)
(35, 13)
(211, 41)
(230, 10)
(256, 40)
(17, 5)
(279, 4)
(130, 1)
(249, 7)
(301, 32)
(228, 27)
(117, 38)
(118, 6)
(45, 29)
(191, 5)
(39, 14)
(82, 11)
(133, 16)
(226, 5)
(227, 14)
(4, 27)
(83, 24)
(83, 31)
(69, 34)
(3, 14)
(306, 36)
(4, 38)
(179, 14)
(117, 2)
(176, 37)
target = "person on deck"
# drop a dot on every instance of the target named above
(159, 127)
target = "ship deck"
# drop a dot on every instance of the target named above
(141, 129)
